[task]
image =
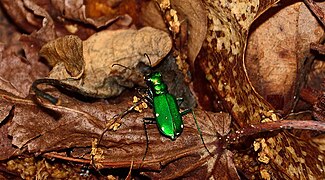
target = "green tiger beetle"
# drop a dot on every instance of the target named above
(167, 114)
(165, 106)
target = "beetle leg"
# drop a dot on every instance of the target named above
(147, 120)
(186, 111)
(146, 95)
(179, 101)
(142, 91)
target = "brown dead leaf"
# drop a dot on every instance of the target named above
(150, 15)
(80, 11)
(5, 111)
(45, 25)
(316, 77)
(278, 52)
(75, 124)
(33, 42)
(21, 15)
(187, 25)
(194, 14)
(17, 74)
(222, 58)
(222, 168)
(7, 149)
(91, 63)
(42, 130)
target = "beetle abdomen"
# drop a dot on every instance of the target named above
(168, 118)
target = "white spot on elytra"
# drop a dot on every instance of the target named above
(157, 114)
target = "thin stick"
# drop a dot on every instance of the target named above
(43, 94)
(316, 10)
(276, 125)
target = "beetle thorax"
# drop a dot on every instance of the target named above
(156, 84)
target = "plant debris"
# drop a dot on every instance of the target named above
(97, 48)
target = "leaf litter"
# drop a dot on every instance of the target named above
(40, 128)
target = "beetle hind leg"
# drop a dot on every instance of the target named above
(147, 120)
(186, 111)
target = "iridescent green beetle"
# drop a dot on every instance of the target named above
(167, 114)
(166, 107)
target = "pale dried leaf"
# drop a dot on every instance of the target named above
(106, 48)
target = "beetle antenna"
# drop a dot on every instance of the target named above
(145, 54)
(121, 66)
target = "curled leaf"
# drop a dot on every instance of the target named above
(66, 50)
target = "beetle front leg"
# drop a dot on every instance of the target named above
(179, 101)
(186, 111)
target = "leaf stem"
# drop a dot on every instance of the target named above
(233, 138)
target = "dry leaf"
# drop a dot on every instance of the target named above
(91, 63)
(17, 74)
(45, 23)
(67, 50)
(317, 75)
(224, 47)
(77, 10)
(7, 150)
(21, 11)
(278, 52)
(76, 124)
(193, 14)
(21, 15)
